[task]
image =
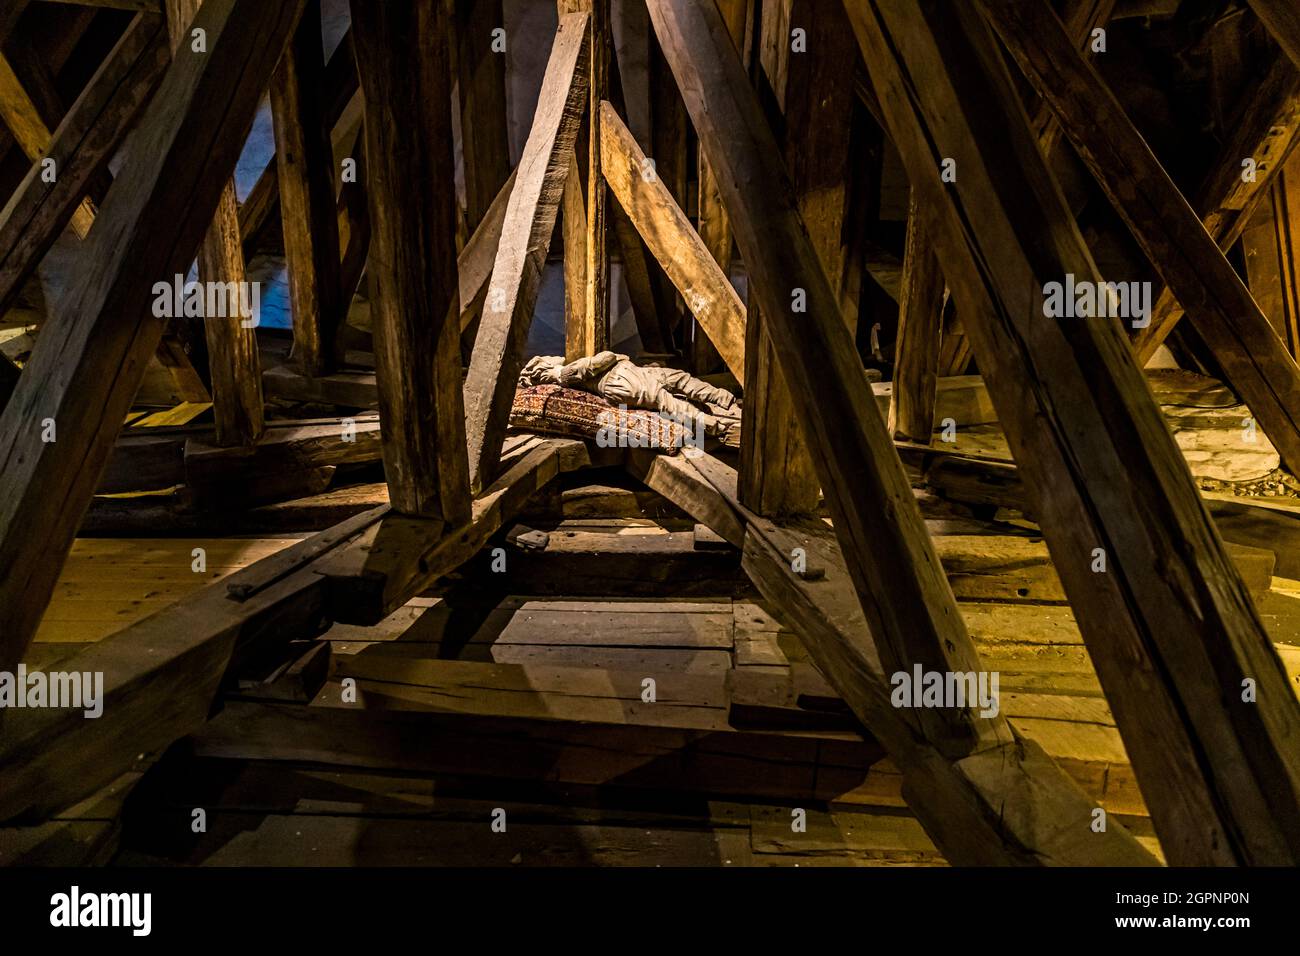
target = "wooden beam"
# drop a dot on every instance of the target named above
(1169, 623)
(340, 86)
(675, 244)
(579, 334)
(1266, 133)
(87, 367)
(36, 214)
(304, 162)
(526, 235)
(904, 595)
(594, 336)
(485, 145)
(162, 674)
(233, 360)
(714, 227)
(1271, 248)
(31, 129)
(402, 57)
(1026, 811)
(916, 350)
(1255, 363)
(399, 557)
(1283, 21)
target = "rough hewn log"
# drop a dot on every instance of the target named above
(525, 237)
(87, 367)
(1169, 623)
(402, 56)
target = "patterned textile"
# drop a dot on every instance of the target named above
(555, 410)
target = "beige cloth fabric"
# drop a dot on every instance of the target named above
(615, 377)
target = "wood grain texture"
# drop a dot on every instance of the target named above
(670, 237)
(401, 54)
(1170, 625)
(304, 162)
(87, 367)
(81, 147)
(906, 601)
(526, 235)
(916, 350)
(1254, 362)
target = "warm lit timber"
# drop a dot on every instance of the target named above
(304, 163)
(525, 237)
(916, 351)
(1255, 363)
(1271, 247)
(1265, 133)
(162, 674)
(482, 77)
(87, 367)
(1282, 18)
(579, 335)
(82, 146)
(904, 594)
(474, 264)
(675, 244)
(1169, 624)
(31, 130)
(594, 336)
(402, 57)
(1005, 805)
(340, 85)
(233, 360)
(398, 557)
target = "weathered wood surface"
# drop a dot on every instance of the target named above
(81, 147)
(670, 237)
(161, 675)
(401, 53)
(304, 163)
(85, 372)
(1097, 457)
(526, 235)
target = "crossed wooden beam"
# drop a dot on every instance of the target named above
(1169, 624)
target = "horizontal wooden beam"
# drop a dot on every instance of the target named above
(161, 676)
(399, 557)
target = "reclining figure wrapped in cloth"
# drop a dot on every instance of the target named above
(615, 377)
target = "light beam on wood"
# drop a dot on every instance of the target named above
(525, 236)
(88, 366)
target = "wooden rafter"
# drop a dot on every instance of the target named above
(526, 235)
(669, 236)
(87, 367)
(1169, 624)
(82, 145)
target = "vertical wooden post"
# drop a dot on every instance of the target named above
(233, 360)
(1169, 623)
(593, 334)
(58, 429)
(916, 351)
(714, 226)
(402, 58)
(1271, 242)
(305, 162)
(481, 73)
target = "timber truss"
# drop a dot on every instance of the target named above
(1169, 624)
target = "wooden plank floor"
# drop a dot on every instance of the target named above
(108, 583)
(535, 704)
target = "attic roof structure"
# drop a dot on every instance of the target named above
(995, 559)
